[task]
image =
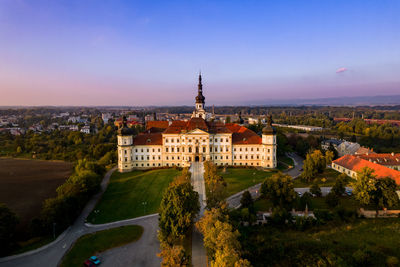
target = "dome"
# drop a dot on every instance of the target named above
(269, 129)
(124, 129)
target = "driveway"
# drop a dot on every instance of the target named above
(199, 257)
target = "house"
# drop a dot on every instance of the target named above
(390, 160)
(350, 165)
(327, 143)
(347, 148)
(85, 129)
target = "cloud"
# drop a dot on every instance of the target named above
(339, 70)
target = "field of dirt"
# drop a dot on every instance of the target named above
(25, 184)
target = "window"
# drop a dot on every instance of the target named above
(240, 149)
(166, 149)
(154, 158)
(177, 149)
(142, 157)
(268, 150)
(251, 149)
(136, 158)
(167, 157)
(227, 140)
(125, 151)
(216, 157)
(126, 159)
(166, 140)
(172, 157)
(172, 140)
(204, 149)
(159, 150)
(142, 149)
(258, 149)
(153, 150)
(190, 149)
(147, 157)
(136, 150)
(172, 149)
(227, 157)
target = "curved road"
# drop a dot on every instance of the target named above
(51, 254)
(234, 200)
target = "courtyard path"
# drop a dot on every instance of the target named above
(199, 257)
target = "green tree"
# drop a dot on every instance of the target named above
(364, 185)
(315, 189)
(332, 200)
(246, 201)
(179, 206)
(279, 189)
(384, 196)
(8, 222)
(340, 185)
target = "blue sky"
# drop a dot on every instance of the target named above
(150, 52)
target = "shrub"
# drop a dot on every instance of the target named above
(323, 216)
(315, 189)
(332, 200)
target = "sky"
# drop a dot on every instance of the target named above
(135, 53)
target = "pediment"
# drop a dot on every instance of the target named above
(197, 131)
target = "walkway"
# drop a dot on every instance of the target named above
(199, 257)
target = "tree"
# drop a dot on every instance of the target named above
(246, 201)
(329, 155)
(315, 189)
(384, 196)
(279, 189)
(364, 185)
(8, 222)
(332, 200)
(179, 206)
(340, 185)
(173, 255)
(315, 163)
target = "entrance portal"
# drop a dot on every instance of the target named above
(196, 159)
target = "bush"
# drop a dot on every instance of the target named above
(305, 200)
(323, 216)
(332, 200)
(8, 221)
(345, 214)
(303, 223)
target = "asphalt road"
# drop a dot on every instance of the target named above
(199, 257)
(51, 254)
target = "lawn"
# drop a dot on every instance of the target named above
(239, 179)
(329, 176)
(95, 243)
(285, 163)
(364, 242)
(127, 192)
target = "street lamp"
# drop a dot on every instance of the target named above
(144, 203)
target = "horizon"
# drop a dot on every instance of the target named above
(73, 53)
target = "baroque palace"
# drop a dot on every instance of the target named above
(178, 143)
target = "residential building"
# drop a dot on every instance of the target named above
(350, 165)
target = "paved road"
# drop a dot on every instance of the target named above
(51, 254)
(199, 258)
(234, 200)
(140, 253)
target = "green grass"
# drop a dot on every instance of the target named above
(285, 163)
(329, 175)
(95, 243)
(127, 191)
(365, 242)
(239, 179)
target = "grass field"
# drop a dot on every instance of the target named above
(329, 175)
(92, 244)
(127, 192)
(285, 163)
(239, 179)
(365, 242)
(25, 184)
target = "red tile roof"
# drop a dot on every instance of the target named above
(157, 124)
(147, 139)
(356, 163)
(385, 159)
(242, 135)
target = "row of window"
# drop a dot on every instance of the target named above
(178, 164)
(172, 140)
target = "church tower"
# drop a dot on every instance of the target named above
(199, 111)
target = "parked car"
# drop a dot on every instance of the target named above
(92, 261)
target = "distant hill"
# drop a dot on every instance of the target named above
(334, 101)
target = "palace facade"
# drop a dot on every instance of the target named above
(179, 143)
